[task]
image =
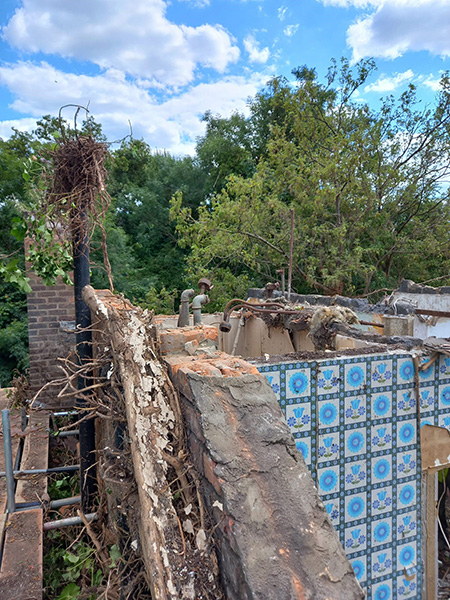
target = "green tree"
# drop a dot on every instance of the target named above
(141, 184)
(366, 186)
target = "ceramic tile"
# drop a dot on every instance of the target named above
(355, 442)
(381, 373)
(406, 463)
(381, 469)
(333, 509)
(407, 587)
(355, 409)
(328, 447)
(328, 379)
(298, 417)
(382, 500)
(444, 397)
(381, 437)
(406, 555)
(328, 415)
(355, 507)
(382, 591)
(406, 525)
(381, 405)
(406, 402)
(355, 376)
(304, 447)
(274, 380)
(406, 433)
(298, 383)
(406, 495)
(360, 568)
(405, 370)
(355, 474)
(427, 399)
(356, 538)
(444, 367)
(382, 531)
(426, 375)
(382, 563)
(328, 480)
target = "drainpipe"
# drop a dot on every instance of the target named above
(186, 296)
(197, 304)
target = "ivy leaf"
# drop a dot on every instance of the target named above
(114, 554)
(70, 592)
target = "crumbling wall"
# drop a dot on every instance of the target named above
(275, 538)
(273, 535)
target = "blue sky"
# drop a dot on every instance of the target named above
(161, 64)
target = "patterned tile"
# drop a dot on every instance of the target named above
(381, 437)
(382, 500)
(381, 405)
(381, 563)
(360, 568)
(355, 377)
(298, 417)
(355, 475)
(355, 507)
(381, 373)
(356, 538)
(354, 420)
(304, 447)
(298, 383)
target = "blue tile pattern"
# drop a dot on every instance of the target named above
(355, 421)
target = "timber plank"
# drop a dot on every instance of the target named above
(21, 570)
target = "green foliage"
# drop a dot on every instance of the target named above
(141, 184)
(63, 486)
(366, 187)
(67, 571)
(162, 302)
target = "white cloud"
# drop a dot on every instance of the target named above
(140, 41)
(387, 83)
(172, 123)
(290, 30)
(393, 27)
(282, 10)
(432, 82)
(255, 54)
(25, 125)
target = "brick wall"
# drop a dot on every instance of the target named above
(51, 321)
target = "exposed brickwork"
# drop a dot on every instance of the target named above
(274, 536)
(174, 340)
(49, 308)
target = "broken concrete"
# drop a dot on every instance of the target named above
(274, 535)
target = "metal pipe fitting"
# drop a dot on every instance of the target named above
(186, 296)
(197, 304)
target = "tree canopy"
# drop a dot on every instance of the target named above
(368, 188)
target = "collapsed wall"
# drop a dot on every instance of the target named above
(258, 505)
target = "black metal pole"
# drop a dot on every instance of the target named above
(88, 480)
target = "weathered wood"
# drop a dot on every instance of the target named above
(150, 421)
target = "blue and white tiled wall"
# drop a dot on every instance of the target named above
(355, 421)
